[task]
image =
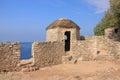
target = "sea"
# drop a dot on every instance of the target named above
(25, 50)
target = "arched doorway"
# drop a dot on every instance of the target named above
(67, 40)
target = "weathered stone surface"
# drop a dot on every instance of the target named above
(113, 33)
(47, 53)
(9, 56)
(56, 30)
(93, 48)
(63, 23)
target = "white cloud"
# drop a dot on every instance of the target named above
(101, 5)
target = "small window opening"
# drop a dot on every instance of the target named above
(65, 37)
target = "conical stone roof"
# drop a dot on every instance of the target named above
(63, 23)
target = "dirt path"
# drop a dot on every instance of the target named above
(85, 70)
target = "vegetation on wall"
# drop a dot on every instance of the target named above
(111, 18)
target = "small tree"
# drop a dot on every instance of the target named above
(111, 18)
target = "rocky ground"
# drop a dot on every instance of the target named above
(83, 70)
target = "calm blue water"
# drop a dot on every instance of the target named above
(25, 50)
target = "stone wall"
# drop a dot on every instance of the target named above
(52, 53)
(94, 48)
(52, 35)
(47, 53)
(9, 56)
(113, 33)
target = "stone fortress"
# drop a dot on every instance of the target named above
(63, 45)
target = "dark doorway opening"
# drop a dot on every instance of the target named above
(67, 40)
(116, 31)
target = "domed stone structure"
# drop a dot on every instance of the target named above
(61, 29)
(63, 23)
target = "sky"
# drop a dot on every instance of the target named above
(26, 20)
